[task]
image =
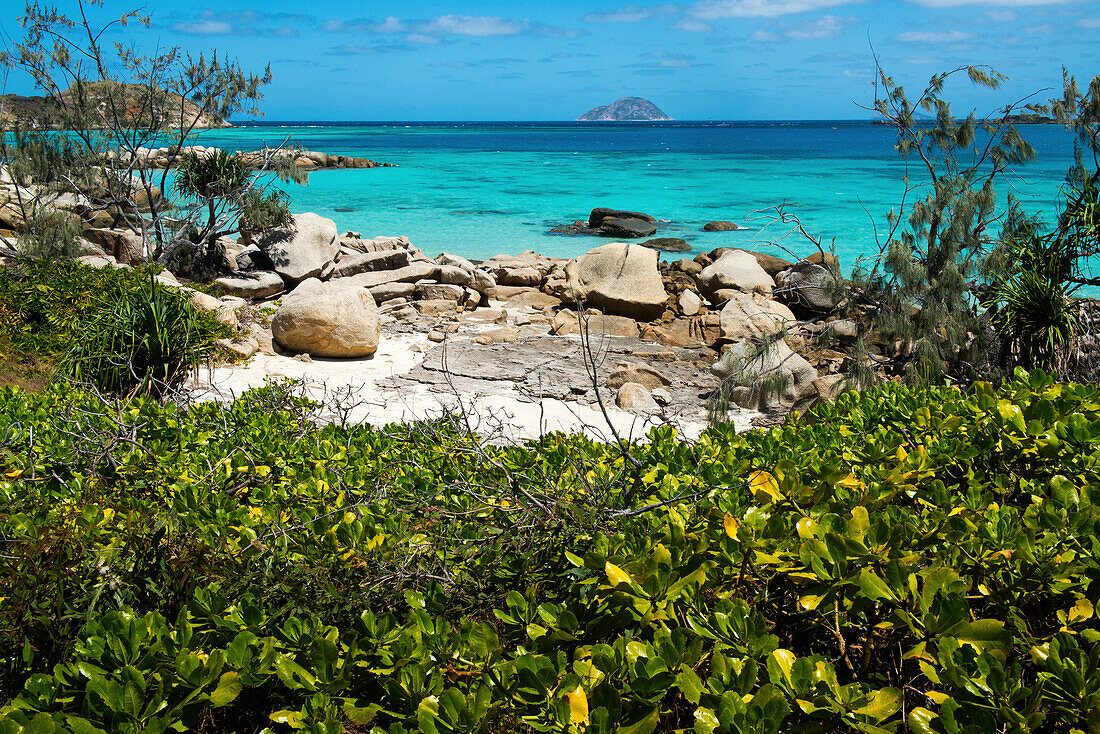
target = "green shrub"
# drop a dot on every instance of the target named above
(143, 337)
(919, 560)
(117, 329)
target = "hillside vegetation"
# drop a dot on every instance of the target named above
(907, 559)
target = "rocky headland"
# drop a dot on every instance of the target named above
(56, 112)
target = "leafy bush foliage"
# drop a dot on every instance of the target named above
(906, 559)
(117, 329)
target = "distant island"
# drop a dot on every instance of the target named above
(626, 109)
(47, 112)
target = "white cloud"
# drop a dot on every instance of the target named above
(1002, 16)
(390, 25)
(1043, 29)
(204, 28)
(632, 13)
(933, 36)
(713, 9)
(475, 25)
(827, 26)
(998, 3)
(421, 39)
(693, 26)
(1089, 22)
(764, 36)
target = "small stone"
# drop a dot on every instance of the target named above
(436, 336)
(661, 396)
(636, 372)
(636, 399)
(690, 303)
(303, 357)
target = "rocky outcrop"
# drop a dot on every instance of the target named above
(302, 251)
(334, 319)
(626, 228)
(597, 216)
(720, 226)
(307, 160)
(620, 278)
(639, 373)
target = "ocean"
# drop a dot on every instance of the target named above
(478, 189)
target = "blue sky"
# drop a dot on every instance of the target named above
(697, 60)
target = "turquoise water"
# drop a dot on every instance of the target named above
(479, 189)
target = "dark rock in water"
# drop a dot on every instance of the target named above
(627, 228)
(579, 227)
(720, 227)
(596, 217)
(343, 208)
(668, 244)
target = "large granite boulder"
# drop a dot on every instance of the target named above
(301, 251)
(627, 228)
(751, 368)
(333, 319)
(735, 269)
(808, 286)
(720, 226)
(620, 279)
(747, 315)
(599, 214)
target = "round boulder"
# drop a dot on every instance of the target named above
(735, 269)
(720, 227)
(621, 279)
(333, 319)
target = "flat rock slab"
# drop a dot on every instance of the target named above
(554, 367)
